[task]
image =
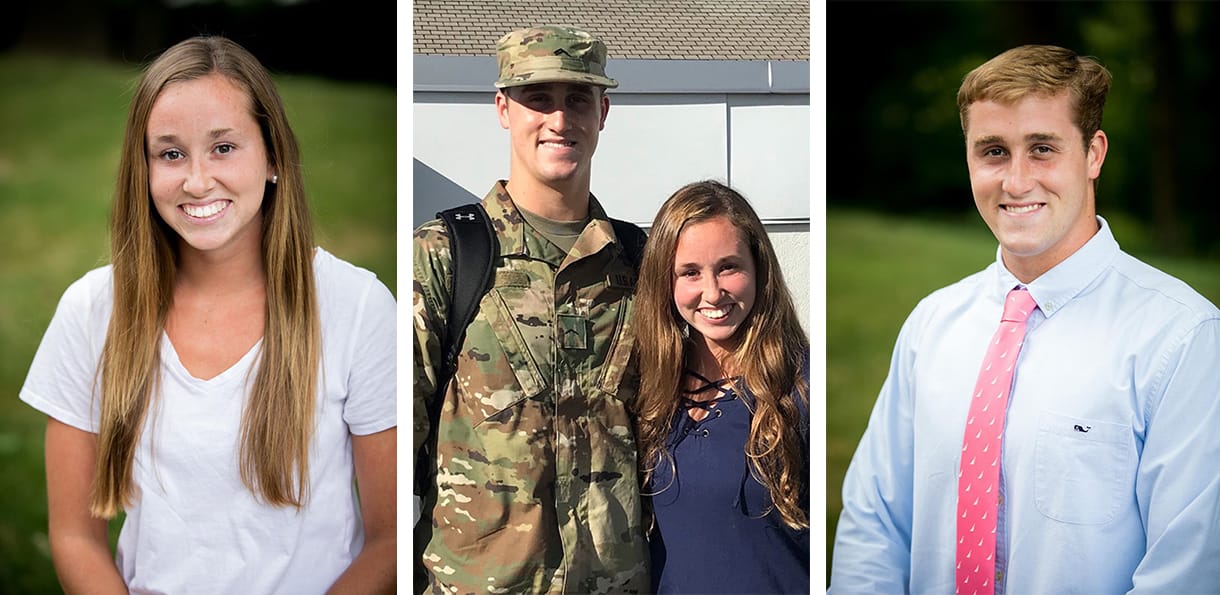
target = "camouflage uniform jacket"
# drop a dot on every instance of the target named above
(536, 487)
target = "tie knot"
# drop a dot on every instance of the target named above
(1018, 306)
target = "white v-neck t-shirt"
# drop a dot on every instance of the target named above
(193, 526)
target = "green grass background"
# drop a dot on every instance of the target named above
(878, 267)
(61, 124)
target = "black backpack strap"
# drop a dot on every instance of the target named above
(472, 247)
(632, 238)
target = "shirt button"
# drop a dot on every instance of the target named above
(999, 576)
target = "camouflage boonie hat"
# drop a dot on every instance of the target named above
(551, 53)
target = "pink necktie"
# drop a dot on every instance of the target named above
(978, 480)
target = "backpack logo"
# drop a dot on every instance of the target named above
(464, 216)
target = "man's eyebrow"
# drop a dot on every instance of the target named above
(1036, 137)
(988, 140)
(1033, 137)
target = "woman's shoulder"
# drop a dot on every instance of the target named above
(335, 275)
(335, 270)
(96, 279)
(94, 288)
(345, 289)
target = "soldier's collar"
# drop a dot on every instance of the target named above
(510, 226)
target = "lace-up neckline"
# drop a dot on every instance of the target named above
(698, 409)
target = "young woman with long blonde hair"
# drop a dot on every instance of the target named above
(723, 407)
(223, 380)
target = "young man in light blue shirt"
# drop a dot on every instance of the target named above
(1109, 476)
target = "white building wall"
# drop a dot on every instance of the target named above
(769, 159)
(791, 243)
(670, 123)
(653, 145)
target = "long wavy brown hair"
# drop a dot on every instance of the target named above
(769, 357)
(278, 420)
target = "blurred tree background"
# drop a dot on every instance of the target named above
(67, 71)
(350, 40)
(895, 142)
(901, 220)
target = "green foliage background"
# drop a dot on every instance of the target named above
(894, 139)
(61, 124)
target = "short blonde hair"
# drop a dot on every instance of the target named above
(1040, 70)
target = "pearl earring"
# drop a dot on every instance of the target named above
(275, 178)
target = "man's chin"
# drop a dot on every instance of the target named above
(1021, 249)
(561, 175)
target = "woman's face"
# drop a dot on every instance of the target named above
(714, 281)
(207, 165)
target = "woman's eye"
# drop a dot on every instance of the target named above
(225, 149)
(171, 154)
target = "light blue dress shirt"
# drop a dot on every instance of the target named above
(1110, 478)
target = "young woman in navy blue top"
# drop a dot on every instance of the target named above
(723, 406)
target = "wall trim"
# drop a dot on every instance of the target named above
(465, 74)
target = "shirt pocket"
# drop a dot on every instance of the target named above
(1079, 468)
(618, 373)
(496, 369)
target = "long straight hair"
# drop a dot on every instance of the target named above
(769, 355)
(278, 419)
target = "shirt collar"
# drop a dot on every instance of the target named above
(505, 219)
(510, 225)
(1058, 286)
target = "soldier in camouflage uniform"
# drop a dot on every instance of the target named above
(536, 487)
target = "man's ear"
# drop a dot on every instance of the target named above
(1097, 153)
(605, 110)
(502, 108)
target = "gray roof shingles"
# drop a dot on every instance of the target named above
(775, 30)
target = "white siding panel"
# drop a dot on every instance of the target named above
(769, 160)
(647, 152)
(791, 245)
(462, 141)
